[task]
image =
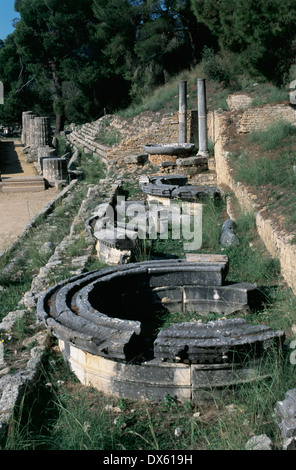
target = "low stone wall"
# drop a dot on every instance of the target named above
(261, 117)
(275, 239)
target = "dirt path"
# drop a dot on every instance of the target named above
(17, 209)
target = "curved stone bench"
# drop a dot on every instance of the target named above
(106, 312)
(107, 323)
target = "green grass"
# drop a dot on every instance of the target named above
(273, 137)
(249, 261)
(267, 165)
(93, 168)
(81, 418)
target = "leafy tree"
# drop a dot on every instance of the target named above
(146, 41)
(52, 38)
(260, 34)
(18, 91)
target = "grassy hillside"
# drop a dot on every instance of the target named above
(165, 98)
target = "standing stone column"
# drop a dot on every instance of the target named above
(25, 128)
(30, 133)
(42, 132)
(55, 169)
(40, 135)
(28, 128)
(202, 118)
(182, 112)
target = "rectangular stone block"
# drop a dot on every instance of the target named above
(197, 276)
(234, 294)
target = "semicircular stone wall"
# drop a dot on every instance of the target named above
(109, 326)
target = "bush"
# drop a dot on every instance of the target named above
(222, 68)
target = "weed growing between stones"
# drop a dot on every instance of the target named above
(93, 168)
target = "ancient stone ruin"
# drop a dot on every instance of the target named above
(176, 187)
(110, 322)
(38, 145)
(107, 324)
(180, 153)
(36, 136)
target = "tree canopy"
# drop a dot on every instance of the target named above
(72, 59)
(261, 34)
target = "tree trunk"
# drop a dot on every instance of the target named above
(58, 99)
(59, 123)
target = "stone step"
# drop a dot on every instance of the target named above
(21, 179)
(25, 189)
(88, 145)
(23, 184)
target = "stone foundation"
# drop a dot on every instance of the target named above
(105, 322)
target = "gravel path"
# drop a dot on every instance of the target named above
(17, 209)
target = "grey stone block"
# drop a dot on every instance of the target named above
(220, 341)
(288, 427)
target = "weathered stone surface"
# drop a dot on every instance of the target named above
(169, 149)
(286, 409)
(45, 151)
(228, 236)
(288, 427)
(285, 414)
(10, 319)
(167, 164)
(262, 442)
(42, 132)
(150, 381)
(136, 159)
(193, 161)
(55, 169)
(221, 341)
(289, 443)
(171, 187)
(75, 161)
(111, 303)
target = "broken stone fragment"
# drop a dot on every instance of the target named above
(228, 236)
(262, 442)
